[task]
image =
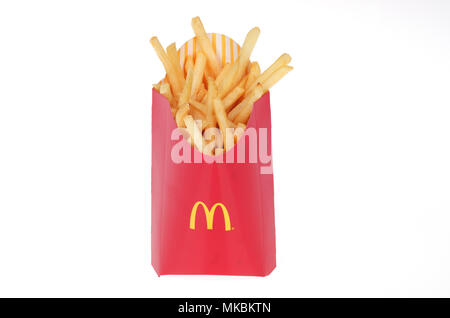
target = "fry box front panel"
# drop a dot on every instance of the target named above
(214, 218)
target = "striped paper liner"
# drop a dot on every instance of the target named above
(226, 49)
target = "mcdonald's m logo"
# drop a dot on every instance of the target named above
(210, 215)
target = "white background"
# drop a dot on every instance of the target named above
(361, 145)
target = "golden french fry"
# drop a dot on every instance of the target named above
(181, 113)
(186, 92)
(235, 74)
(218, 151)
(223, 73)
(170, 69)
(243, 81)
(208, 74)
(198, 116)
(228, 80)
(246, 50)
(210, 96)
(199, 106)
(206, 45)
(253, 73)
(173, 56)
(199, 69)
(232, 97)
(189, 64)
(166, 92)
(201, 92)
(242, 111)
(222, 120)
(194, 132)
(275, 77)
(284, 59)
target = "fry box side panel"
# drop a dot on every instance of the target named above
(160, 121)
(210, 218)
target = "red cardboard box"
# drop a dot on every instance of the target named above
(212, 215)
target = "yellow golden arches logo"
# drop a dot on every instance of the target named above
(210, 215)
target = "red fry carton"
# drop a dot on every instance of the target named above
(212, 215)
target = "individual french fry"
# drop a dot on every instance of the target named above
(246, 50)
(223, 73)
(211, 95)
(253, 73)
(186, 93)
(166, 92)
(218, 151)
(284, 59)
(199, 68)
(170, 69)
(194, 132)
(243, 81)
(208, 74)
(232, 97)
(175, 60)
(222, 120)
(227, 82)
(275, 77)
(181, 113)
(189, 64)
(206, 45)
(244, 108)
(201, 93)
(198, 116)
(199, 106)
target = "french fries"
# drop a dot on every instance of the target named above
(194, 132)
(225, 130)
(212, 102)
(182, 112)
(199, 69)
(232, 97)
(284, 59)
(237, 70)
(245, 107)
(210, 96)
(166, 92)
(175, 60)
(186, 92)
(275, 77)
(205, 44)
(253, 73)
(223, 73)
(175, 81)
